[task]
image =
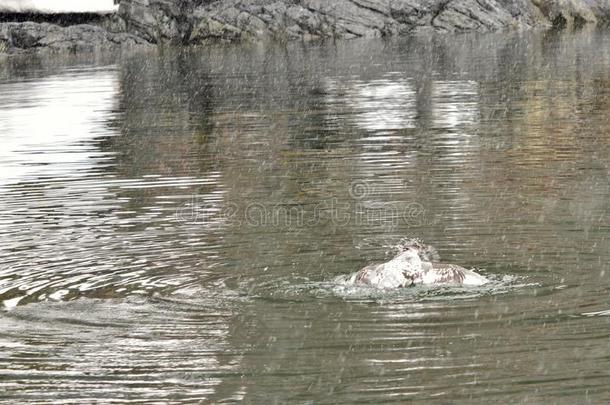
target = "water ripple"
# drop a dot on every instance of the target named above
(131, 272)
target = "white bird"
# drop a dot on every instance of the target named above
(396, 273)
(415, 264)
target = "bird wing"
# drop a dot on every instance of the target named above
(448, 273)
(363, 275)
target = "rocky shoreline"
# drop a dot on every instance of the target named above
(147, 22)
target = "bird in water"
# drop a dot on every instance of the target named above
(395, 273)
(415, 263)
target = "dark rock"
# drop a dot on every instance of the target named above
(199, 21)
(155, 20)
(15, 37)
(571, 13)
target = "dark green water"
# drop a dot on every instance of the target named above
(171, 223)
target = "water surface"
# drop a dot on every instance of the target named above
(172, 222)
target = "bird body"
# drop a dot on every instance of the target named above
(413, 265)
(395, 273)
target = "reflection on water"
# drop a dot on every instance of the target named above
(375, 105)
(47, 124)
(64, 204)
(176, 234)
(454, 103)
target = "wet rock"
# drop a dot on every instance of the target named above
(197, 21)
(25, 36)
(570, 13)
(156, 20)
